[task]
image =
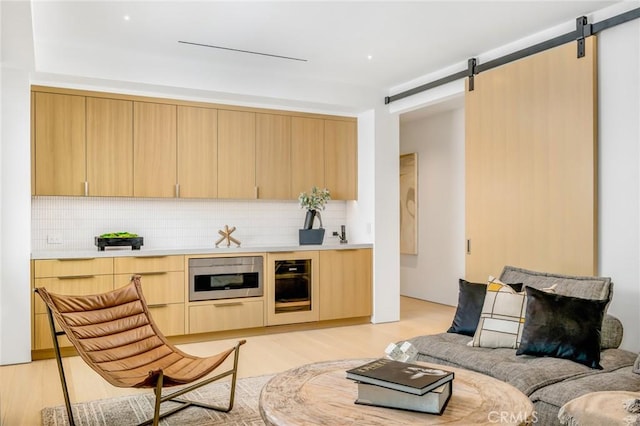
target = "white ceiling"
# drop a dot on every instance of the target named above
(405, 39)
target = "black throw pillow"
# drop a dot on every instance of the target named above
(470, 301)
(562, 327)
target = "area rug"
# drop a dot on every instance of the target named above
(131, 410)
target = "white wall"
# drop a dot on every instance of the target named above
(433, 273)
(386, 268)
(361, 213)
(619, 177)
(373, 216)
(15, 178)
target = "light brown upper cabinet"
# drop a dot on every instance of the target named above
(236, 154)
(60, 149)
(116, 145)
(154, 150)
(197, 152)
(273, 156)
(307, 154)
(109, 147)
(341, 159)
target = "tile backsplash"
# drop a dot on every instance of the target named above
(71, 223)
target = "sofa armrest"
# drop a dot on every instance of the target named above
(611, 334)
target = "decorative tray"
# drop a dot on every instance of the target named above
(113, 240)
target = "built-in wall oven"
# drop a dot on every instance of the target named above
(213, 278)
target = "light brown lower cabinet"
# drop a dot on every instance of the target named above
(341, 288)
(163, 287)
(230, 314)
(78, 285)
(169, 317)
(345, 283)
(78, 277)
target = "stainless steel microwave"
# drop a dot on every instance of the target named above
(214, 278)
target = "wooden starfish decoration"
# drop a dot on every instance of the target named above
(226, 235)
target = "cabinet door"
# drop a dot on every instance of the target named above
(341, 159)
(109, 147)
(72, 267)
(60, 151)
(163, 287)
(169, 318)
(154, 150)
(226, 315)
(236, 154)
(307, 154)
(147, 264)
(345, 283)
(197, 152)
(164, 294)
(79, 285)
(273, 156)
(158, 288)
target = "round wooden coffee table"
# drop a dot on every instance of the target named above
(321, 394)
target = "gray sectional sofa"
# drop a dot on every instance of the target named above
(548, 381)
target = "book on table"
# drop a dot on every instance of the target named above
(403, 376)
(433, 402)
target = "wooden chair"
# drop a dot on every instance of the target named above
(115, 335)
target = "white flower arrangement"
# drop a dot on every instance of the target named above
(315, 200)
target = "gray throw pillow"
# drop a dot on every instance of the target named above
(596, 288)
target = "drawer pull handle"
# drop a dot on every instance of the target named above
(76, 258)
(158, 305)
(75, 277)
(151, 273)
(223, 305)
(149, 257)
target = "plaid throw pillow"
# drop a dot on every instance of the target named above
(502, 318)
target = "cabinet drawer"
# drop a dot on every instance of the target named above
(226, 315)
(72, 267)
(77, 286)
(169, 318)
(140, 265)
(159, 287)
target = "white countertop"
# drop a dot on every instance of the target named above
(127, 251)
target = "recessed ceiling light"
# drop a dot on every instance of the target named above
(369, 57)
(126, 17)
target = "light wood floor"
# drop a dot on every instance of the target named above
(27, 388)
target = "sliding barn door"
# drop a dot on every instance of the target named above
(531, 165)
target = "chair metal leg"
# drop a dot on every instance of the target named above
(158, 392)
(236, 355)
(56, 345)
(187, 403)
